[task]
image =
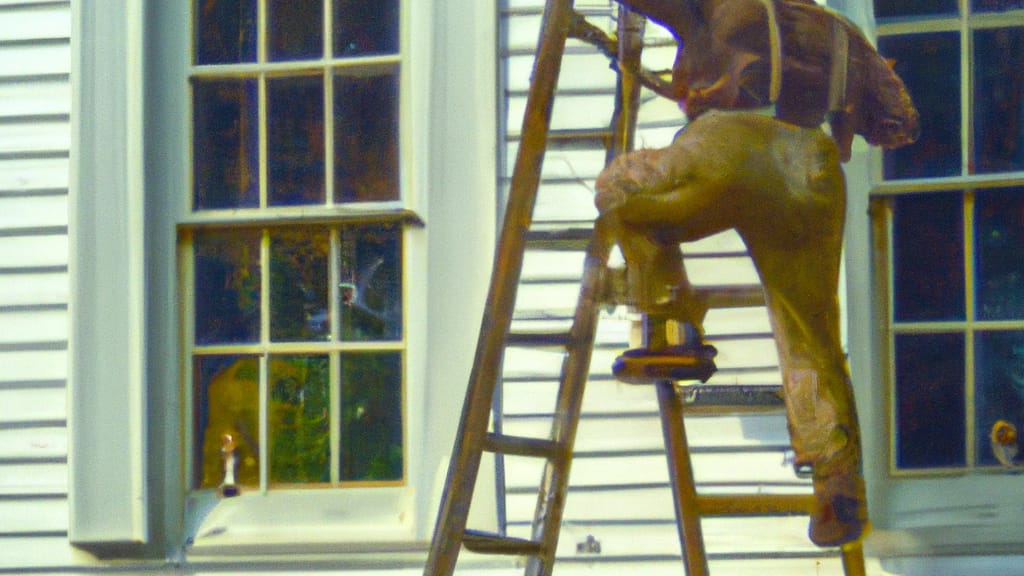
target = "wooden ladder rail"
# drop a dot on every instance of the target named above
(472, 439)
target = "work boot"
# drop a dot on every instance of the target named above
(840, 514)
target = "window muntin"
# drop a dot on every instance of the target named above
(953, 205)
(296, 331)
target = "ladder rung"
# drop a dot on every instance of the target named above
(521, 446)
(488, 543)
(754, 504)
(553, 338)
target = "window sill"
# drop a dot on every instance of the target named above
(352, 520)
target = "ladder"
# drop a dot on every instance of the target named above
(474, 439)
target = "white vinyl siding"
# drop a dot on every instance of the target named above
(35, 107)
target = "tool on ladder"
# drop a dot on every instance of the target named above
(658, 362)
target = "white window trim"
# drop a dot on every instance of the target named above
(127, 487)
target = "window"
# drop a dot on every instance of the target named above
(951, 214)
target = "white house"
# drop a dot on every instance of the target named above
(276, 221)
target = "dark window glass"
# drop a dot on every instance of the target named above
(996, 5)
(225, 31)
(928, 256)
(299, 285)
(363, 27)
(225, 144)
(910, 8)
(296, 29)
(370, 265)
(227, 290)
(295, 140)
(999, 387)
(998, 73)
(299, 419)
(226, 409)
(371, 416)
(930, 411)
(999, 257)
(929, 65)
(365, 138)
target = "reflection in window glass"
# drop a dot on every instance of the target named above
(364, 27)
(365, 138)
(999, 69)
(900, 8)
(226, 403)
(930, 412)
(225, 31)
(295, 140)
(928, 257)
(225, 144)
(999, 386)
(371, 416)
(929, 65)
(996, 5)
(299, 285)
(299, 419)
(371, 283)
(999, 259)
(296, 29)
(227, 286)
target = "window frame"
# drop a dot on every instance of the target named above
(128, 486)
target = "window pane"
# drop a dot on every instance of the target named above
(929, 65)
(225, 31)
(999, 260)
(930, 430)
(227, 288)
(295, 140)
(996, 5)
(298, 285)
(928, 258)
(365, 138)
(296, 29)
(999, 383)
(371, 283)
(225, 144)
(226, 403)
(300, 419)
(902, 8)
(365, 27)
(371, 416)
(999, 71)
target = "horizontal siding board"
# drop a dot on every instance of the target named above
(29, 405)
(34, 22)
(26, 175)
(28, 327)
(19, 290)
(33, 212)
(28, 366)
(33, 479)
(32, 252)
(42, 97)
(33, 444)
(586, 71)
(36, 137)
(28, 61)
(34, 553)
(33, 515)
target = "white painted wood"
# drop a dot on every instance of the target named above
(33, 212)
(29, 366)
(19, 61)
(33, 443)
(36, 552)
(30, 405)
(42, 136)
(33, 326)
(48, 289)
(33, 479)
(28, 22)
(20, 175)
(32, 252)
(24, 517)
(35, 97)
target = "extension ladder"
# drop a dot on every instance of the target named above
(473, 437)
